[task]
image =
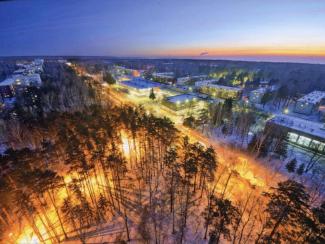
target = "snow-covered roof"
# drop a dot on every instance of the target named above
(298, 124)
(164, 74)
(181, 98)
(33, 78)
(313, 97)
(22, 80)
(204, 82)
(199, 76)
(139, 83)
(183, 79)
(229, 88)
(19, 71)
(259, 90)
(264, 82)
(8, 82)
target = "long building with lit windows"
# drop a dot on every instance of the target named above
(184, 104)
(301, 133)
(219, 91)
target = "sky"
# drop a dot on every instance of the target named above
(269, 30)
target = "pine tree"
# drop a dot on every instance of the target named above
(221, 215)
(301, 169)
(107, 77)
(287, 207)
(152, 95)
(291, 165)
(316, 232)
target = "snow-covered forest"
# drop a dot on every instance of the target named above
(119, 174)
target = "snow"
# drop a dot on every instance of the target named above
(260, 90)
(181, 98)
(140, 84)
(3, 148)
(229, 88)
(165, 75)
(8, 82)
(313, 97)
(306, 126)
(205, 82)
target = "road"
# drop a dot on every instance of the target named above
(252, 173)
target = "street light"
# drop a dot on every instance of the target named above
(286, 111)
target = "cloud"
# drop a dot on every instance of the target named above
(204, 54)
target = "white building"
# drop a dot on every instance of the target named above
(302, 133)
(164, 75)
(264, 83)
(199, 77)
(182, 80)
(35, 66)
(204, 82)
(255, 96)
(309, 103)
(184, 104)
(219, 91)
(140, 87)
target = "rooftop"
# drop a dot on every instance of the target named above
(313, 97)
(264, 82)
(223, 87)
(7, 82)
(204, 82)
(19, 71)
(164, 74)
(298, 124)
(181, 98)
(141, 83)
(22, 80)
(259, 90)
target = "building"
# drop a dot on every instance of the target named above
(36, 66)
(140, 87)
(27, 80)
(204, 82)
(219, 91)
(164, 77)
(309, 103)
(33, 80)
(7, 87)
(264, 83)
(301, 133)
(120, 70)
(199, 77)
(255, 96)
(28, 74)
(182, 80)
(183, 104)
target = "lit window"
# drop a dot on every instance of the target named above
(293, 137)
(304, 141)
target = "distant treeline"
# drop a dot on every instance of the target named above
(302, 78)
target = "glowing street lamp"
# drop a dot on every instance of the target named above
(286, 111)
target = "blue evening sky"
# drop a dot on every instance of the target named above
(292, 30)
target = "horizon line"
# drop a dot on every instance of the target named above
(202, 58)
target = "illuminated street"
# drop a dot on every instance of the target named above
(162, 122)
